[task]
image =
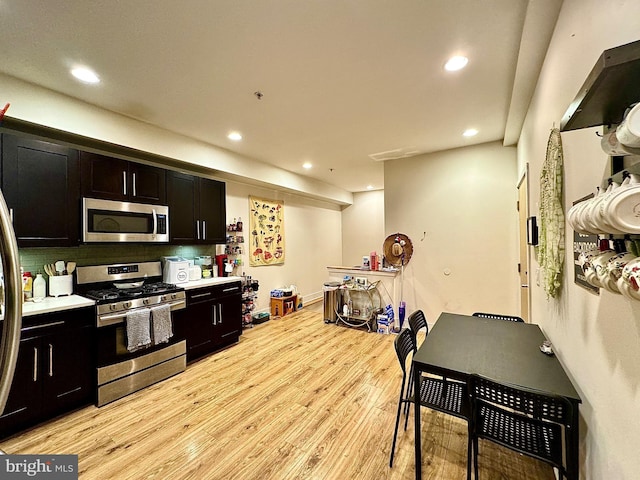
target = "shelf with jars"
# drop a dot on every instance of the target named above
(234, 247)
(249, 296)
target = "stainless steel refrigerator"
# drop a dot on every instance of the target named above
(12, 311)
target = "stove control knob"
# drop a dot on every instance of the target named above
(173, 296)
(163, 298)
(127, 305)
(113, 306)
(145, 301)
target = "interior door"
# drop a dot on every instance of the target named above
(523, 213)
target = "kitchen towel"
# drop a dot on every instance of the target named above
(161, 324)
(138, 329)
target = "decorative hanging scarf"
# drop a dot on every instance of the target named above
(551, 248)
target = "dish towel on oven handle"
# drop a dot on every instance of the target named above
(138, 329)
(161, 324)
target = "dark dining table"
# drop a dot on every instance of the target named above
(509, 352)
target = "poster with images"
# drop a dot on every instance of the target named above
(266, 228)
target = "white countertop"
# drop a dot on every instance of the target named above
(207, 282)
(359, 271)
(68, 302)
(55, 304)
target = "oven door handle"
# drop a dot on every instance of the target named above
(106, 320)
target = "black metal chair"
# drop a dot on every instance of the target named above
(499, 316)
(417, 321)
(435, 393)
(524, 420)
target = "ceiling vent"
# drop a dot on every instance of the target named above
(394, 154)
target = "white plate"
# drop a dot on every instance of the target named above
(579, 216)
(628, 132)
(599, 217)
(571, 214)
(589, 214)
(622, 212)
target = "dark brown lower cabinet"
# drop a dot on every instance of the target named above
(212, 319)
(55, 368)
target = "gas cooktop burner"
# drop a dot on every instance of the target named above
(101, 295)
(126, 286)
(124, 294)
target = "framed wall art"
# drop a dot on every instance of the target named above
(266, 232)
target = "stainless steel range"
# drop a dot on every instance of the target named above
(132, 301)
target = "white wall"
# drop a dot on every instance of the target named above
(363, 227)
(597, 338)
(459, 209)
(313, 240)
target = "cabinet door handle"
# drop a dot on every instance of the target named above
(200, 295)
(215, 315)
(204, 230)
(134, 185)
(35, 364)
(44, 325)
(198, 228)
(50, 360)
(124, 182)
(220, 312)
(11, 214)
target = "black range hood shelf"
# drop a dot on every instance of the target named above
(611, 87)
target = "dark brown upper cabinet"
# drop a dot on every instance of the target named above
(41, 187)
(116, 179)
(197, 209)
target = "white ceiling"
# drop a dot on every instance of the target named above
(341, 79)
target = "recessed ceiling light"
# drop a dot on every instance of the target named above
(456, 63)
(85, 75)
(235, 136)
(307, 165)
(369, 187)
(470, 132)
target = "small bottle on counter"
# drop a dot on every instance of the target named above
(27, 286)
(39, 288)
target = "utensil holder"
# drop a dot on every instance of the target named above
(60, 285)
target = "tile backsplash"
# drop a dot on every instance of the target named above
(33, 259)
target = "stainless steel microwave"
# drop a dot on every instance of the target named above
(113, 221)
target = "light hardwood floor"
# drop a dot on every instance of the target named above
(294, 399)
